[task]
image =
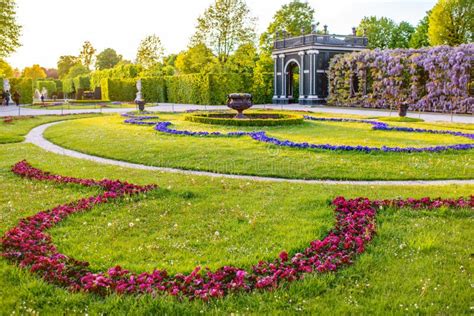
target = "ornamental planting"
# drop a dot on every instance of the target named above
(31, 248)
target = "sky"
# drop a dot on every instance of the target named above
(52, 28)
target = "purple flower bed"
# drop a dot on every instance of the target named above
(261, 136)
(140, 119)
(31, 248)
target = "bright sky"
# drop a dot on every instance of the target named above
(52, 28)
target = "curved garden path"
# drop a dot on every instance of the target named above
(35, 136)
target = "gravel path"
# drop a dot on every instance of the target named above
(168, 107)
(35, 136)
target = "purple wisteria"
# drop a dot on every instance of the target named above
(31, 248)
(261, 136)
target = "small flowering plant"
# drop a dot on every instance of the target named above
(31, 248)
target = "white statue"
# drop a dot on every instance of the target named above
(6, 85)
(44, 92)
(139, 93)
(37, 94)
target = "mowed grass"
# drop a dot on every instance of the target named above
(110, 137)
(419, 262)
(82, 106)
(14, 132)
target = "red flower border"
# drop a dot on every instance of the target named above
(28, 245)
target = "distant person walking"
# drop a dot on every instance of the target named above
(16, 98)
(7, 98)
(42, 98)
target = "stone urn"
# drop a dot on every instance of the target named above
(402, 110)
(239, 102)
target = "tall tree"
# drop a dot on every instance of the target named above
(6, 71)
(451, 22)
(420, 37)
(87, 54)
(293, 18)
(385, 33)
(65, 63)
(243, 60)
(9, 28)
(34, 72)
(225, 25)
(196, 59)
(107, 59)
(150, 51)
(77, 70)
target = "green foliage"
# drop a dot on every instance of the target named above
(49, 85)
(24, 86)
(6, 71)
(118, 90)
(107, 59)
(451, 22)
(225, 25)
(190, 89)
(220, 85)
(150, 51)
(279, 119)
(10, 30)
(385, 33)
(82, 82)
(65, 63)
(68, 85)
(87, 54)
(77, 70)
(120, 71)
(293, 18)
(154, 89)
(195, 60)
(243, 60)
(419, 38)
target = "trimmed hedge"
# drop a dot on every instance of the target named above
(228, 119)
(118, 90)
(188, 89)
(24, 88)
(154, 89)
(87, 101)
(49, 85)
(68, 86)
(82, 82)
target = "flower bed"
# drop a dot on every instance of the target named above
(254, 119)
(262, 136)
(31, 248)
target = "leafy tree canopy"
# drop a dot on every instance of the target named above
(6, 71)
(225, 25)
(150, 51)
(87, 53)
(293, 18)
(107, 59)
(196, 59)
(65, 63)
(10, 31)
(34, 72)
(420, 37)
(385, 33)
(77, 70)
(451, 22)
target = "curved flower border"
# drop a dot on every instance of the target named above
(261, 136)
(28, 245)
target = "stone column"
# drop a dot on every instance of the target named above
(275, 76)
(301, 54)
(283, 76)
(312, 74)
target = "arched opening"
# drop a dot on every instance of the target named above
(293, 81)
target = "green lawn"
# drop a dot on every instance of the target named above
(15, 131)
(419, 262)
(81, 106)
(110, 137)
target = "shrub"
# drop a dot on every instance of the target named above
(118, 90)
(82, 82)
(190, 89)
(274, 119)
(49, 85)
(68, 86)
(154, 89)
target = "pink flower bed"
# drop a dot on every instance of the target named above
(28, 245)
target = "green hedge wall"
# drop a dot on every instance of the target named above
(154, 89)
(24, 88)
(262, 88)
(82, 82)
(49, 85)
(188, 89)
(118, 90)
(68, 86)
(220, 85)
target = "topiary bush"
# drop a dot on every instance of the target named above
(254, 119)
